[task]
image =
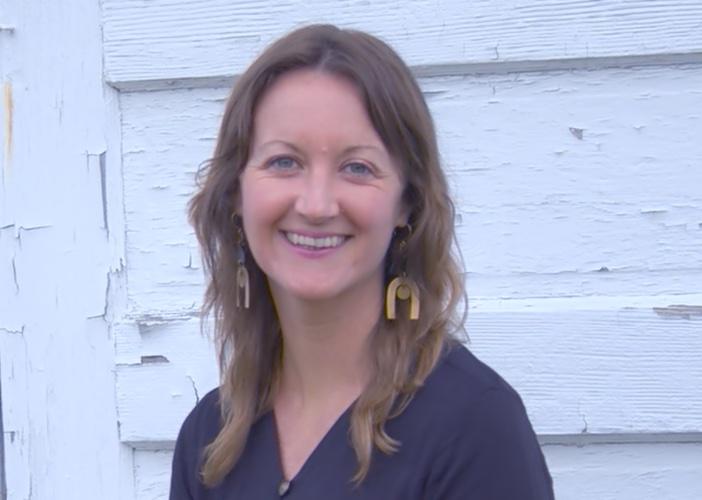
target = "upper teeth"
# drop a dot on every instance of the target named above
(326, 242)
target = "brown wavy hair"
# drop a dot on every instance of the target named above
(249, 341)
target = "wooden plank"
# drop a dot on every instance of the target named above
(598, 368)
(56, 350)
(615, 472)
(152, 474)
(587, 369)
(162, 372)
(179, 39)
(14, 378)
(542, 212)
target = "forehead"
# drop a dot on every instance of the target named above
(311, 101)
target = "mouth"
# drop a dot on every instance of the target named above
(315, 243)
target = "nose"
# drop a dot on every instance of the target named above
(317, 200)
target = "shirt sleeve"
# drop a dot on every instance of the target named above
(495, 457)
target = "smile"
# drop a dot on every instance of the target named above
(325, 242)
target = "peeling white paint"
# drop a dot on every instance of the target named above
(56, 353)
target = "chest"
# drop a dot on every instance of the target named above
(299, 436)
(327, 470)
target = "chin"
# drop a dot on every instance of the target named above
(315, 294)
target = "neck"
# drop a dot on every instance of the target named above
(325, 347)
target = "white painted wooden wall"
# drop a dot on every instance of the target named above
(570, 132)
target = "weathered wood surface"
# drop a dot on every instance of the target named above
(590, 371)
(662, 471)
(176, 39)
(162, 372)
(57, 256)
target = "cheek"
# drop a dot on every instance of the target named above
(261, 206)
(376, 215)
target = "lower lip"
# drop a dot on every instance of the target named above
(312, 253)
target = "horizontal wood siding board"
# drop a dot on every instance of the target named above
(162, 372)
(567, 184)
(666, 471)
(598, 371)
(152, 474)
(180, 39)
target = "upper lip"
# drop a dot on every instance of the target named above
(314, 234)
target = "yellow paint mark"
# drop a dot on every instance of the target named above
(7, 103)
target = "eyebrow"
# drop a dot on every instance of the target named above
(284, 143)
(350, 149)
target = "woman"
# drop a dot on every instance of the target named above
(326, 230)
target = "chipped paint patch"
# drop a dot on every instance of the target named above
(679, 312)
(154, 359)
(577, 132)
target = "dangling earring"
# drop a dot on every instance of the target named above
(242, 274)
(403, 288)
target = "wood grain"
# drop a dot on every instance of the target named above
(176, 39)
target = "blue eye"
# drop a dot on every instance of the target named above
(358, 169)
(282, 163)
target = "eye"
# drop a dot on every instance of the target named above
(282, 163)
(358, 169)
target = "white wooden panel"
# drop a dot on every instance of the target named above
(14, 375)
(162, 371)
(173, 39)
(605, 472)
(542, 213)
(627, 472)
(56, 252)
(589, 179)
(580, 369)
(165, 137)
(152, 474)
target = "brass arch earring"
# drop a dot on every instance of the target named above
(242, 274)
(402, 287)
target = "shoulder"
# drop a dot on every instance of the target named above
(203, 422)
(480, 426)
(459, 369)
(462, 389)
(199, 429)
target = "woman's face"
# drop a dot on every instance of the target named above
(320, 195)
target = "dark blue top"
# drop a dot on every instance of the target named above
(465, 435)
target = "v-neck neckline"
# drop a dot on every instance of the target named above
(311, 458)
